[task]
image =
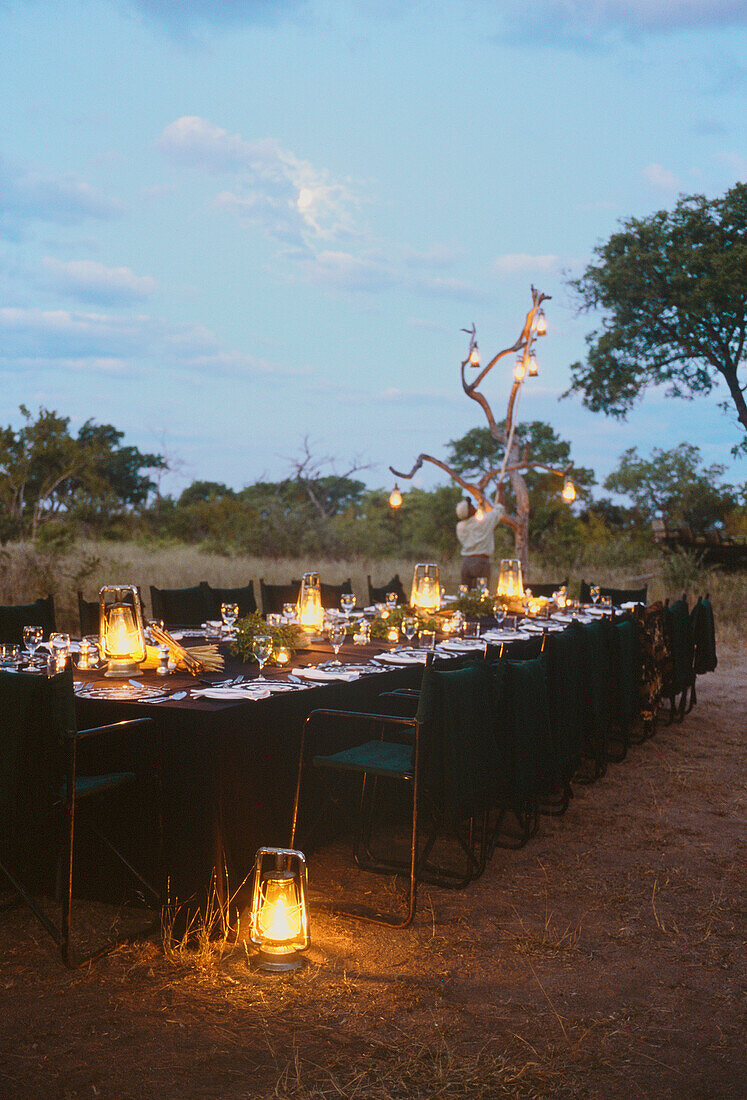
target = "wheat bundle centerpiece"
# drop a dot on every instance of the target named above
(197, 659)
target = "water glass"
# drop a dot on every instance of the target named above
(262, 649)
(32, 636)
(392, 600)
(594, 593)
(471, 628)
(229, 612)
(336, 636)
(463, 591)
(60, 645)
(409, 628)
(428, 639)
(347, 603)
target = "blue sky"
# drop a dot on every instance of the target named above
(226, 226)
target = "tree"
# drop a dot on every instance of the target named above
(672, 289)
(516, 460)
(674, 484)
(46, 472)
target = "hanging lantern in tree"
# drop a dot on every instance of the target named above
(569, 491)
(395, 498)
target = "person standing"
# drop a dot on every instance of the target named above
(475, 531)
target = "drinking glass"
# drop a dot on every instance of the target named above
(428, 639)
(347, 603)
(289, 610)
(482, 586)
(463, 591)
(60, 646)
(32, 636)
(336, 636)
(229, 613)
(391, 600)
(471, 628)
(409, 628)
(594, 593)
(499, 612)
(262, 650)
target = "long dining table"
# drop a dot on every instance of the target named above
(224, 771)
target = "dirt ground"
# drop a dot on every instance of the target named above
(603, 960)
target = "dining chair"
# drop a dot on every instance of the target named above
(377, 594)
(618, 596)
(547, 589)
(42, 796)
(275, 595)
(626, 668)
(180, 606)
(14, 617)
(243, 596)
(597, 697)
(562, 658)
(445, 755)
(88, 611)
(656, 659)
(679, 678)
(703, 632)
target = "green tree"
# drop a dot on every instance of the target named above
(675, 484)
(672, 289)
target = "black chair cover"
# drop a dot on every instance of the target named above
(378, 594)
(617, 595)
(180, 606)
(14, 617)
(89, 615)
(275, 595)
(244, 597)
(547, 589)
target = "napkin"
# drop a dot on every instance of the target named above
(400, 659)
(504, 635)
(462, 645)
(325, 675)
(236, 692)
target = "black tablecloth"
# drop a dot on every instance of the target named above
(227, 769)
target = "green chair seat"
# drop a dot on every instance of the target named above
(87, 786)
(381, 758)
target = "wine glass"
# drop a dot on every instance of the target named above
(482, 586)
(463, 591)
(336, 636)
(499, 612)
(60, 645)
(289, 611)
(409, 627)
(32, 636)
(594, 593)
(391, 600)
(347, 603)
(262, 650)
(229, 613)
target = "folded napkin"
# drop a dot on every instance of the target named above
(504, 635)
(582, 618)
(462, 645)
(400, 658)
(325, 675)
(236, 692)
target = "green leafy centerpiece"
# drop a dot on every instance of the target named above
(286, 638)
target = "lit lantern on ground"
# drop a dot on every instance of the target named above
(569, 491)
(310, 610)
(426, 587)
(121, 629)
(279, 913)
(510, 582)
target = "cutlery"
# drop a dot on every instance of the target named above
(164, 698)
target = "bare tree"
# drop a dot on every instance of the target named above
(515, 461)
(323, 490)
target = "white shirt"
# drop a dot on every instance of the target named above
(477, 536)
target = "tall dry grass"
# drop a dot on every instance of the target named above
(27, 572)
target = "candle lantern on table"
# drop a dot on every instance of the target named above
(279, 912)
(426, 587)
(310, 611)
(121, 629)
(510, 581)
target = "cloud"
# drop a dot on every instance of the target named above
(524, 263)
(595, 23)
(27, 195)
(91, 281)
(658, 176)
(343, 271)
(288, 198)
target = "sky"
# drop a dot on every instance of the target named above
(227, 226)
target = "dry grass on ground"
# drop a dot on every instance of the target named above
(603, 960)
(27, 574)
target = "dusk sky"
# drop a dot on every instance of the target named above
(227, 225)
